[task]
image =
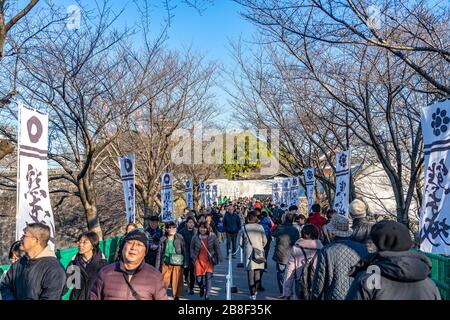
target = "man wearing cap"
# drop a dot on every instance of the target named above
(130, 278)
(396, 273)
(331, 279)
(361, 225)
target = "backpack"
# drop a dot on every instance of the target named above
(303, 283)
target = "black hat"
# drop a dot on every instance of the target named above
(137, 234)
(391, 236)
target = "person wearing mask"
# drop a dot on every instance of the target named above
(88, 261)
(188, 233)
(37, 275)
(403, 274)
(130, 278)
(232, 226)
(155, 235)
(171, 259)
(253, 237)
(205, 253)
(305, 249)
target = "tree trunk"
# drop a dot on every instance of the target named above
(88, 200)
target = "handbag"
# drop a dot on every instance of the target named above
(257, 255)
(213, 258)
(176, 259)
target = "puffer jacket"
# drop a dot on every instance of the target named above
(403, 276)
(285, 237)
(296, 262)
(331, 279)
(213, 248)
(40, 278)
(88, 274)
(361, 230)
(180, 248)
(110, 283)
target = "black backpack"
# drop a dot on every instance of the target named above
(303, 283)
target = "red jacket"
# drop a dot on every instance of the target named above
(317, 220)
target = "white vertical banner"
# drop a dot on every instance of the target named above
(189, 194)
(208, 192)
(201, 188)
(167, 197)
(33, 199)
(341, 198)
(434, 228)
(294, 191)
(127, 175)
(215, 193)
(286, 192)
(310, 183)
(276, 192)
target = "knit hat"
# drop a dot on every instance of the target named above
(339, 226)
(357, 209)
(391, 236)
(139, 235)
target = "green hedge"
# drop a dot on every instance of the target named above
(440, 273)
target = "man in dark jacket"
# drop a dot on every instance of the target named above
(130, 278)
(231, 226)
(155, 235)
(331, 279)
(188, 233)
(361, 225)
(38, 275)
(394, 272)
(286, 235)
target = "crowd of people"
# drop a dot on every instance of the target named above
(322, 256)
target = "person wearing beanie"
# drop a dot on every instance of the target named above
(130, 278)
(400, 274)
(331, 279)
(361, 225)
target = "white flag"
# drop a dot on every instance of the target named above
(167, 197)
(208, 195)
(32, 189)
(202, 188)
(341, 198)
(276, 193)
(127, 177)
(286, 192)
(215, 193)
(310, 183)
(435, 216)
(189, 194)
(294, 191)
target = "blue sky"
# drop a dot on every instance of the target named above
(207, 33)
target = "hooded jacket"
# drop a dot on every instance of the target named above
(403, 276)
(40, 278)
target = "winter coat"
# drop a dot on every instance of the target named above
(187, 237)
(88, 274)
(258, 240)
(180, 248)
(285, 237)
(231, 223)
(110, 283)
(154, 238)
(296, 262)
(213, 248)
(317, 220)
(331, 279)
(361, 230)
(404, 276)
(40, 278)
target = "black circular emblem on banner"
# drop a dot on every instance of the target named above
(167, 178)
(294, 182)
(34, 121)
(128, 165)
(188, 184)
(202, 185)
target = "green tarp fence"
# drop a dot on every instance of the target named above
(440, 272)
(108, 247)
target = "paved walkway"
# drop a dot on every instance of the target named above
(239, 280)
